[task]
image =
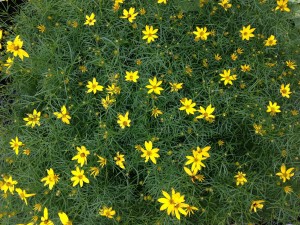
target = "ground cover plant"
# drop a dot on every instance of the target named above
(150, 112)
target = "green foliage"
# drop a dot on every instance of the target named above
(52, 77)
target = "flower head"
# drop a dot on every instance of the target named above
(33, 119)
(79, 177)
(150, 33)
(8, 184)
(63, 115)
(227, 78)
(206, 113)
(81, 156)
(246, 32)
(129, 14)
(282, 6)
(188, 106)
(107, 212)
(15, 144)
(102, 161)
(271, 41)
(45, 218)
(150, 153)
(285, 90)
(257, 204)
(119, 158)
(154, 86)
(175, 86)
(64, 219)
(162, 1)
(93, 86)
(225, 4)
(156, 112)
(90, 20)
(240, 178)
(196, 161)
(291, 64)
(15, 47)
(132, 76)
(124, 121)
(51, 179)
(23, 195)
(201, 33)
(285, 174)
(273, 108)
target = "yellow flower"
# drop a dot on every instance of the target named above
(37, 207)
(245, 68)
(234, 56)
(190, 209)
(218, 57)
(227, 78)
(45, 218)
(203, 152)
(142, 11)
(64, 219)
(23, 195)
(162, 1)
(113, 89)
(282, 6)
(15, 144)
(156, 112)
(150, 153)
(285, 90)
(175, 86)
(94, 171)
(51, 179)
(107, 212)
(288, 189)
(259, 129)
(15, 47)
(107, 101)
(239, 51)
(102, 161)
(8, 184)
(33, 119)
(273, 108)
(93, 86)
(246, 32)
(201, 33)
(130, 15)
(63, 115)
(9, 62)
(81, 156)
(291, 64)
(206, 113)
(119, 158)
(41, 28)
(240, 178)
(124, 121)
(225, 4)
(79, 177)
(132, 76)
(193, 175)
(271, 41)
(188, 106)
(285, 174)
(90, 20)
(257, 204)
(154, 86)
(150, 33)
(196, 161)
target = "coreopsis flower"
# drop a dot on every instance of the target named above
(190, 209)
(240, 178)
(196, 161)
(64, 219)
(129, 14)
(291, 64)
(132, 76)
(287, 189)
(113, 89)
(81, 156)
(285, 174)
(119, 158)
(203, 152)
(271, 41)
(90, 20)
(285, 90)
(8, 184)
(107, 101)
(218, 57)
(154, 86)
(206, 113)
(9, 62)
(45, 218)
(51, 179)
(107, 212)
(193, 175)
(239, 51)
(162, 1)
(79, 177)
(15, 144)
(23, 195)
(273, 108)
(37, 207)
(33, 119)
(102, 161)
(245, 68)
(63, 115)
(150, 33)
(234, 56)
(175, 87)
(201, 33)
(94, 171)
(282, 5)
(188, 106)
(15, 47)
(174, 204)
(257, 204)
(227, 78)
(259, 129)
(124, 121)
(1, 33)
(41, 28)
(246, 32)
(150, 153)
(93, 86)
(156, 112)
(225, 4)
